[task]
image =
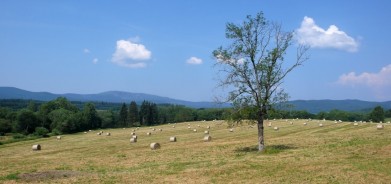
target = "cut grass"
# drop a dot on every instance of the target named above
(334, 153)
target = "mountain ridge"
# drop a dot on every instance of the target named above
(108, 96)
(312, 106)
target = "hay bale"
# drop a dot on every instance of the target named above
(231, 130)
(291, 123)
(58, 137)
(321, 125)
(173, 139)
(132, 133)
(380, 126)
(153, 129)
(133, 140)
(134, 136)
(195, 130)
(304, 124)
(108, 134)
(154, 146)
(355, 124)
(36, 147)
(173, 126)
(208, 127)
(148, 133)
(188, 127)
(206, 132)
(207, 138)
(85, 132)
(98, 133)
(160, 129)
(276, 128)
(270, 124)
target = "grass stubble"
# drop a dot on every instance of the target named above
(334, 153)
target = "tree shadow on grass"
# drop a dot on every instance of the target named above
(270, 149)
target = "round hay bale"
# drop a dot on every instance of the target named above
(276, 128)
(133, 140)
(291, 123)
(207, 138)
(231, 130)
(134, 136)
(380, 126)
(173, 126)
(58, 137)
(108, 134)
(304, 124)
(36, 147)
(206, 132)
(98, 133)
(208, 127)
(153, 129)
(160, 129)
(270, 124)
(154, 146)
(188, 127)
(355, 124)
(148, 133)
(132, 133)
(173, 139)
(321, 125)
(195, 130)
(85, 132)
(101, 132)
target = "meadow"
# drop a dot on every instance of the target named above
(296, 153)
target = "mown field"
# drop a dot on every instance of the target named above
(334, 153)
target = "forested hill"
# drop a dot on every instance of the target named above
(312, 106)
(110, 96)
(316, 106)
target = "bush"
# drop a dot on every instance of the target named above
(18, 136)
(41, 131)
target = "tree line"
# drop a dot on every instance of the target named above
(61, 116)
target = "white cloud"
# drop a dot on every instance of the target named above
(95, 60)
(379, 83)
(380, 79)
(132, 55)
(311, 34)
(86, 50)
(194, 61)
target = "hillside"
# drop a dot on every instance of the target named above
(110, 96)
(316, 106)
(312, 106)
(333, 153)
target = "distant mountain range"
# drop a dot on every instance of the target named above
(312, 106)
(109, 96)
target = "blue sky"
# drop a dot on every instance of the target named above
(165, 47)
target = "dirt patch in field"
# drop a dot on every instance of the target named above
(47, 175)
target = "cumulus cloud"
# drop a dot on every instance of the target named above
(380, 79)
(379, 82)
(86, 50)
(95, 60)
(129, 54)
(311, 34)
(194, 61)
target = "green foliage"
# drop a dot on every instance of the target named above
(107, 118)
(133, 117)
(123, 116)
(377, 114)
(41, 132)
(5, 126)
(26, 121)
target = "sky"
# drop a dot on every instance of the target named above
(165, 47)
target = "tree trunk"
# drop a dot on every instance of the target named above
(261, 142)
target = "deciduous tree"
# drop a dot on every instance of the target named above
(254, 65)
